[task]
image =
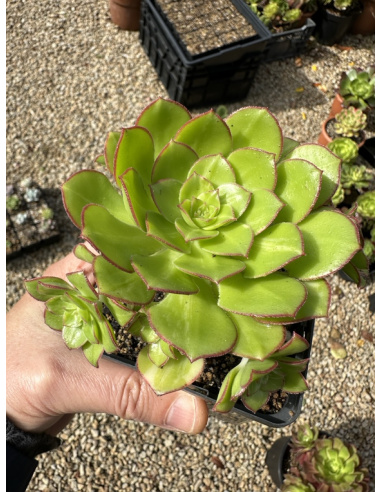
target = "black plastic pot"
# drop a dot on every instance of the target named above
(286, 416)
(367, 151)
(332, 25)
(277, 458)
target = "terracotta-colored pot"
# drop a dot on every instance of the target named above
(337, 105)
(324, 138)
(365, 23)
(125, 14)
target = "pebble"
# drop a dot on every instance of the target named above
(73, 76)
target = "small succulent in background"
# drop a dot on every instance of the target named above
(345, 148)
(357, 88)
(21, 218)
(357, 176)
(32, 195)
(212, 235)
(327, 464)
(350, 122)
(366, 204)
(339, 4)
(13, 202)
(278, 15)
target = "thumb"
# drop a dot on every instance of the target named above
(122, 391)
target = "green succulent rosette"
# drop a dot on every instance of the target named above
(358, 88)
(230, 222)
(366, 204)
(345, 148)
(76, 310)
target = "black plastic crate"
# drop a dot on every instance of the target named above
(284, 44)
(212, 77)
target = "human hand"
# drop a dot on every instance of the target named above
(47, 383)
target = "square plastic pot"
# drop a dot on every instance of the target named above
(284, 417)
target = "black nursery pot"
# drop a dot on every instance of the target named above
(278, 458)
(332, 25)
(290, 410)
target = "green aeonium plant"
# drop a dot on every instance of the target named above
(357, 88)
(211, 236)
(323, 464)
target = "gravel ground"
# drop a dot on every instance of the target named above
(72, 76)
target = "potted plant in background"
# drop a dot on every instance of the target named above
(356, 88)
(356, 193)
(311, 460)
(365, 23)
(278, 15)
(213, 240)
(288, 21)
(334, 18)
(349, 122)
(125, 14)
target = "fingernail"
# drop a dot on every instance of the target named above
(182, 413)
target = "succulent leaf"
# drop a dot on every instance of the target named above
(119, 284)
(323, 233)
(109, 150)
(162, 110)
(173, 162)
(255, 127)
(138, 199)
(272, 296)
(92, 187)
(298, 186)
(254, 168)
(207, 265)
(278, 245)
(159, 273)
(263, 208)
(324, 160)
(135, 149)
(206, 134)
(108, 234)
(174, 375)
(256, 340)
(181, 321)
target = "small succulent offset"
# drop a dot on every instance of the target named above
(325, 464)
(350, 122)
(357, 88)
(211, 236)
(345, 148)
